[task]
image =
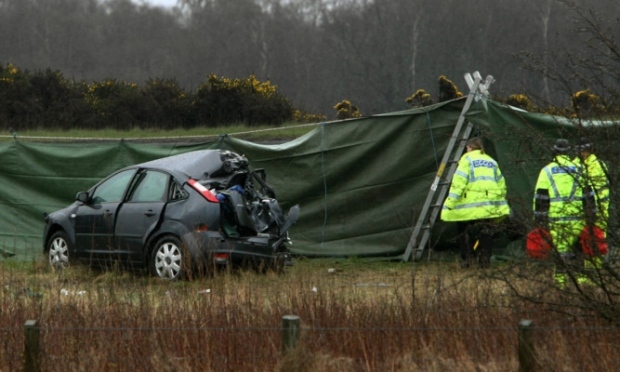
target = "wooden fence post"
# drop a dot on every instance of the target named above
(290, 332)
(31, 346)
(527, 357)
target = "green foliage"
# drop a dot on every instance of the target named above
(249, 101)
(300, 116)
(14, 97)
(167, 105)
(346, 110)
(40, 99)
(53, 100)
(114, 103)
(46, 100)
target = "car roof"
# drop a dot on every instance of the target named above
(194, 164)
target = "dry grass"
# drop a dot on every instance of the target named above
(359, 316)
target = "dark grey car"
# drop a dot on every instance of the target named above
(178, 216)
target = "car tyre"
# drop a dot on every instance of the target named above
(59, 247)
(167, 258)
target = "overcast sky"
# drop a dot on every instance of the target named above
(167, 3)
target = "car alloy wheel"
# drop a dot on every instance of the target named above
(167, 258)
(58, 252)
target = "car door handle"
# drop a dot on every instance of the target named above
(150, 213)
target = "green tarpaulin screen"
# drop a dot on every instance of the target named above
(360, 183)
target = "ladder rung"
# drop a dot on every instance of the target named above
(459, 135)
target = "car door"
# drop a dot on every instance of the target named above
(95, 220)
(140, 214)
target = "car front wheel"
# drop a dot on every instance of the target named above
(59, 247)
(167, 258)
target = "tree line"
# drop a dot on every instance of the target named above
(373, 53)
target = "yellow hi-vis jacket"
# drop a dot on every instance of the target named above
(477, 191)
(596, 175)
(561, 181)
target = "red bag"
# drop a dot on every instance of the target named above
(538, 243)
(592, 237)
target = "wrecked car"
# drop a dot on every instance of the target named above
(177, 216)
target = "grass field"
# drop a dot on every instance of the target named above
(270, 134)
(355, 315)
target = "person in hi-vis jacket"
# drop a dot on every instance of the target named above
(558, 201)
(596, 196)
(476, 201)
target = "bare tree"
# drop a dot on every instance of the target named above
(415, 43)
(545, 16)
(588, 56)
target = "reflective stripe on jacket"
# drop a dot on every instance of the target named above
(561, 178)
(477, 191)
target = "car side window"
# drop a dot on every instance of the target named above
(152, 186)
(177, 192)
(113, 189)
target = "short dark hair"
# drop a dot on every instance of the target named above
(476, 144)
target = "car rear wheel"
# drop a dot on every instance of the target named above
(59, 247)
(167, 258)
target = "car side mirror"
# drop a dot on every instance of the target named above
(83, 197)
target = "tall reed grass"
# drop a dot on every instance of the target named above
(355, 315)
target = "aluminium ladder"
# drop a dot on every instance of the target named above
(441, 184)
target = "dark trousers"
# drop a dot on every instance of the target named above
(476, 242)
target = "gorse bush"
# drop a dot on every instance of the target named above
(420, 98)
(168, 106)
(247, 101)
(447, 89)
(346, 110)
(520, 100)
(300, 116)
(42, 99)
(46, 100)
(113, 103)
(583, 104)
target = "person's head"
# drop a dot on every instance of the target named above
(561, 147)
(584, 147)
(474, 144)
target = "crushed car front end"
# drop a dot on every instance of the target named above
(253, 230)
